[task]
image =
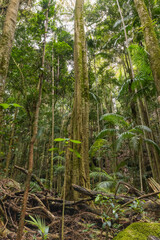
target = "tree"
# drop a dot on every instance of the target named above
(151, 41)
(77, 166)
(34, 130)
(6, 42)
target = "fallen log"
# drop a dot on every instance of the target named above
(150, 204)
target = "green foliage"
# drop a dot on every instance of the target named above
(107, 132)
(137, 206)
(97, 145)
(112, 210)
(107, 182)
(6, 105)
(35, 187)
(115, 119)
(40, 224)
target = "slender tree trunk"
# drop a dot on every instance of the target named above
(151, 41)
(153, 163)
(77, 169)
(95, 71)
(6, 42)
(52, 146)
(9, 155)
(33, 139)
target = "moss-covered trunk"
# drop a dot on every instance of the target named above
(77, 168)
(6, 42)
(151, 41)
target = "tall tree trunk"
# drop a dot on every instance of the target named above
(153, 163)
(151, 41)
(77, 169)
(52, 141)
(33, 139)
(6, 42)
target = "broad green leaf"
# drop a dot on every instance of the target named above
(74, 151)
(15, 105)
(4, 105)
(60, 139)
(75, 141)
(53, 149)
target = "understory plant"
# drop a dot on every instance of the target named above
(41, 225)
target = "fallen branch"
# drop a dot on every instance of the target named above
(34, 177)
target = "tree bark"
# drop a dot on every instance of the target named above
(77, 169)
(6, 42)
(151, 41)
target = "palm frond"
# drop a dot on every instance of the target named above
(134, 142)
(153, 143)
(122, 137)
(106, 186)
(115, 119)
(124, 88)
(103, 175)
(143, 127)
(107, 132)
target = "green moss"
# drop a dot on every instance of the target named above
(139, 231)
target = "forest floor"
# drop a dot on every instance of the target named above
(81, 222)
